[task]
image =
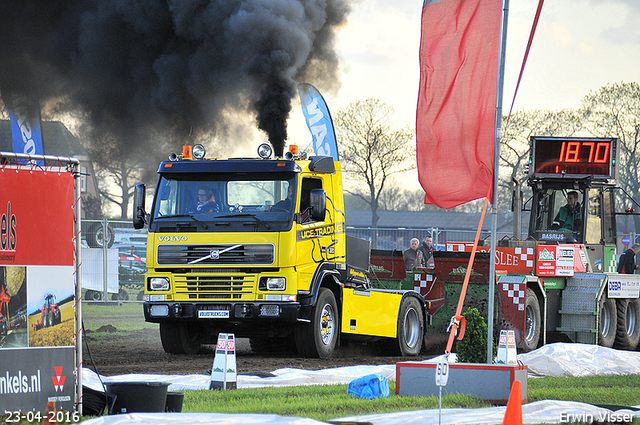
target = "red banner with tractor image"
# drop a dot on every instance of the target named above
(37, 291)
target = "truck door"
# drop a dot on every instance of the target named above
(315, 238)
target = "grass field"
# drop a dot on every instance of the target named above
(332, 401)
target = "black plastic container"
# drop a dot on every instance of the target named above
(174, 402)
(138, 396)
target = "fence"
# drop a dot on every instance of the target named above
(114, 271)
(113, 260)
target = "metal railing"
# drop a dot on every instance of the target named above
(114, 253)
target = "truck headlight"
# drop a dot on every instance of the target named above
(276, 284)
(159, 284)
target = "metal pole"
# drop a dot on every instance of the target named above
(105, 267)
(496, 169)
(78, 282)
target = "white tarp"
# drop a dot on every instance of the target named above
(557, 359)
(93, 269)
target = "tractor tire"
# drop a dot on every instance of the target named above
(628, 330)
(608, 322)
(50, 319)
(122, 295)
(91, 295)
(96, 236)
(410, 330)
(533, 323)
(319, 337)
(180, 337)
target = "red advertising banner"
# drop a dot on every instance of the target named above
(508, 259)
(36, 217)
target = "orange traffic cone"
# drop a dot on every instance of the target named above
(513, 414)
(51, 408)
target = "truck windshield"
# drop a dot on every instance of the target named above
(224, 202)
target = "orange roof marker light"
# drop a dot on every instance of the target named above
(186, 152)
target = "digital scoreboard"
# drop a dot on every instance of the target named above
(573, 156)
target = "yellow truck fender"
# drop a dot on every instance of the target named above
(307, 302)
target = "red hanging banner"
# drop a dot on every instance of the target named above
(455, 124)
(36, 218)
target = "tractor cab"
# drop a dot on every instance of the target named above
(573, 196)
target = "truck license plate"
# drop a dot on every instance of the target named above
(213, 314)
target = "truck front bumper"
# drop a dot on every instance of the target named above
(224, 312)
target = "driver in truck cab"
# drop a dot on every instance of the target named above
(205, 202)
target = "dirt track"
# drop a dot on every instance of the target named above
(141, 351)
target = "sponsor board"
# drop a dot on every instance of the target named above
(30, 378)
(623, 286)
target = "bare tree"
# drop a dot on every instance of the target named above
(371, 151)
(614, 111)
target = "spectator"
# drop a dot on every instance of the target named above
(427, 248)
(627, 263)
(413, 256)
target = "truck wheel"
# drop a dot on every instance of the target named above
(180, 337)
(533, 323)
(410, 330)
(319, 338)
(628, 332)
(608, 322)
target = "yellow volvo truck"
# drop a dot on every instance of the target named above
(257, 247)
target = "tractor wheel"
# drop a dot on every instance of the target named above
(319, 337)
(122, 295)
(533, 323)
(180, 337)
(97, 236)
(410, 330)
(628, 332)
(91, 295)
(608, 323)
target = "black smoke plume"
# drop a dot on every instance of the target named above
(134, 64)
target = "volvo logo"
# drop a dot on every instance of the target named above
(172, 238)
(215, 254)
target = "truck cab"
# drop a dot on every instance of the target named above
(257, 247)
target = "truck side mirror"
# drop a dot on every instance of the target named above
(139, 214)
(318, 200)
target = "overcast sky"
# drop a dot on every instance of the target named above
(579, 46)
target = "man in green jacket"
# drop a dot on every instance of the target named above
(568, 217)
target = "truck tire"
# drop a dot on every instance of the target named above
(607, 323)
(533, 323)
(628, 331)
(319, 338)
(410, 330)
(96, 236)
(180, 337)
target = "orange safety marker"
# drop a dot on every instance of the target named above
(458, 319)
(513, 414)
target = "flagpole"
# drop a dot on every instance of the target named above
(496, 167)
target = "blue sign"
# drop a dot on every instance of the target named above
(626, 240)
(319, 121)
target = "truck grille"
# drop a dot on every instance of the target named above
(216, 254)
(214, 287)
